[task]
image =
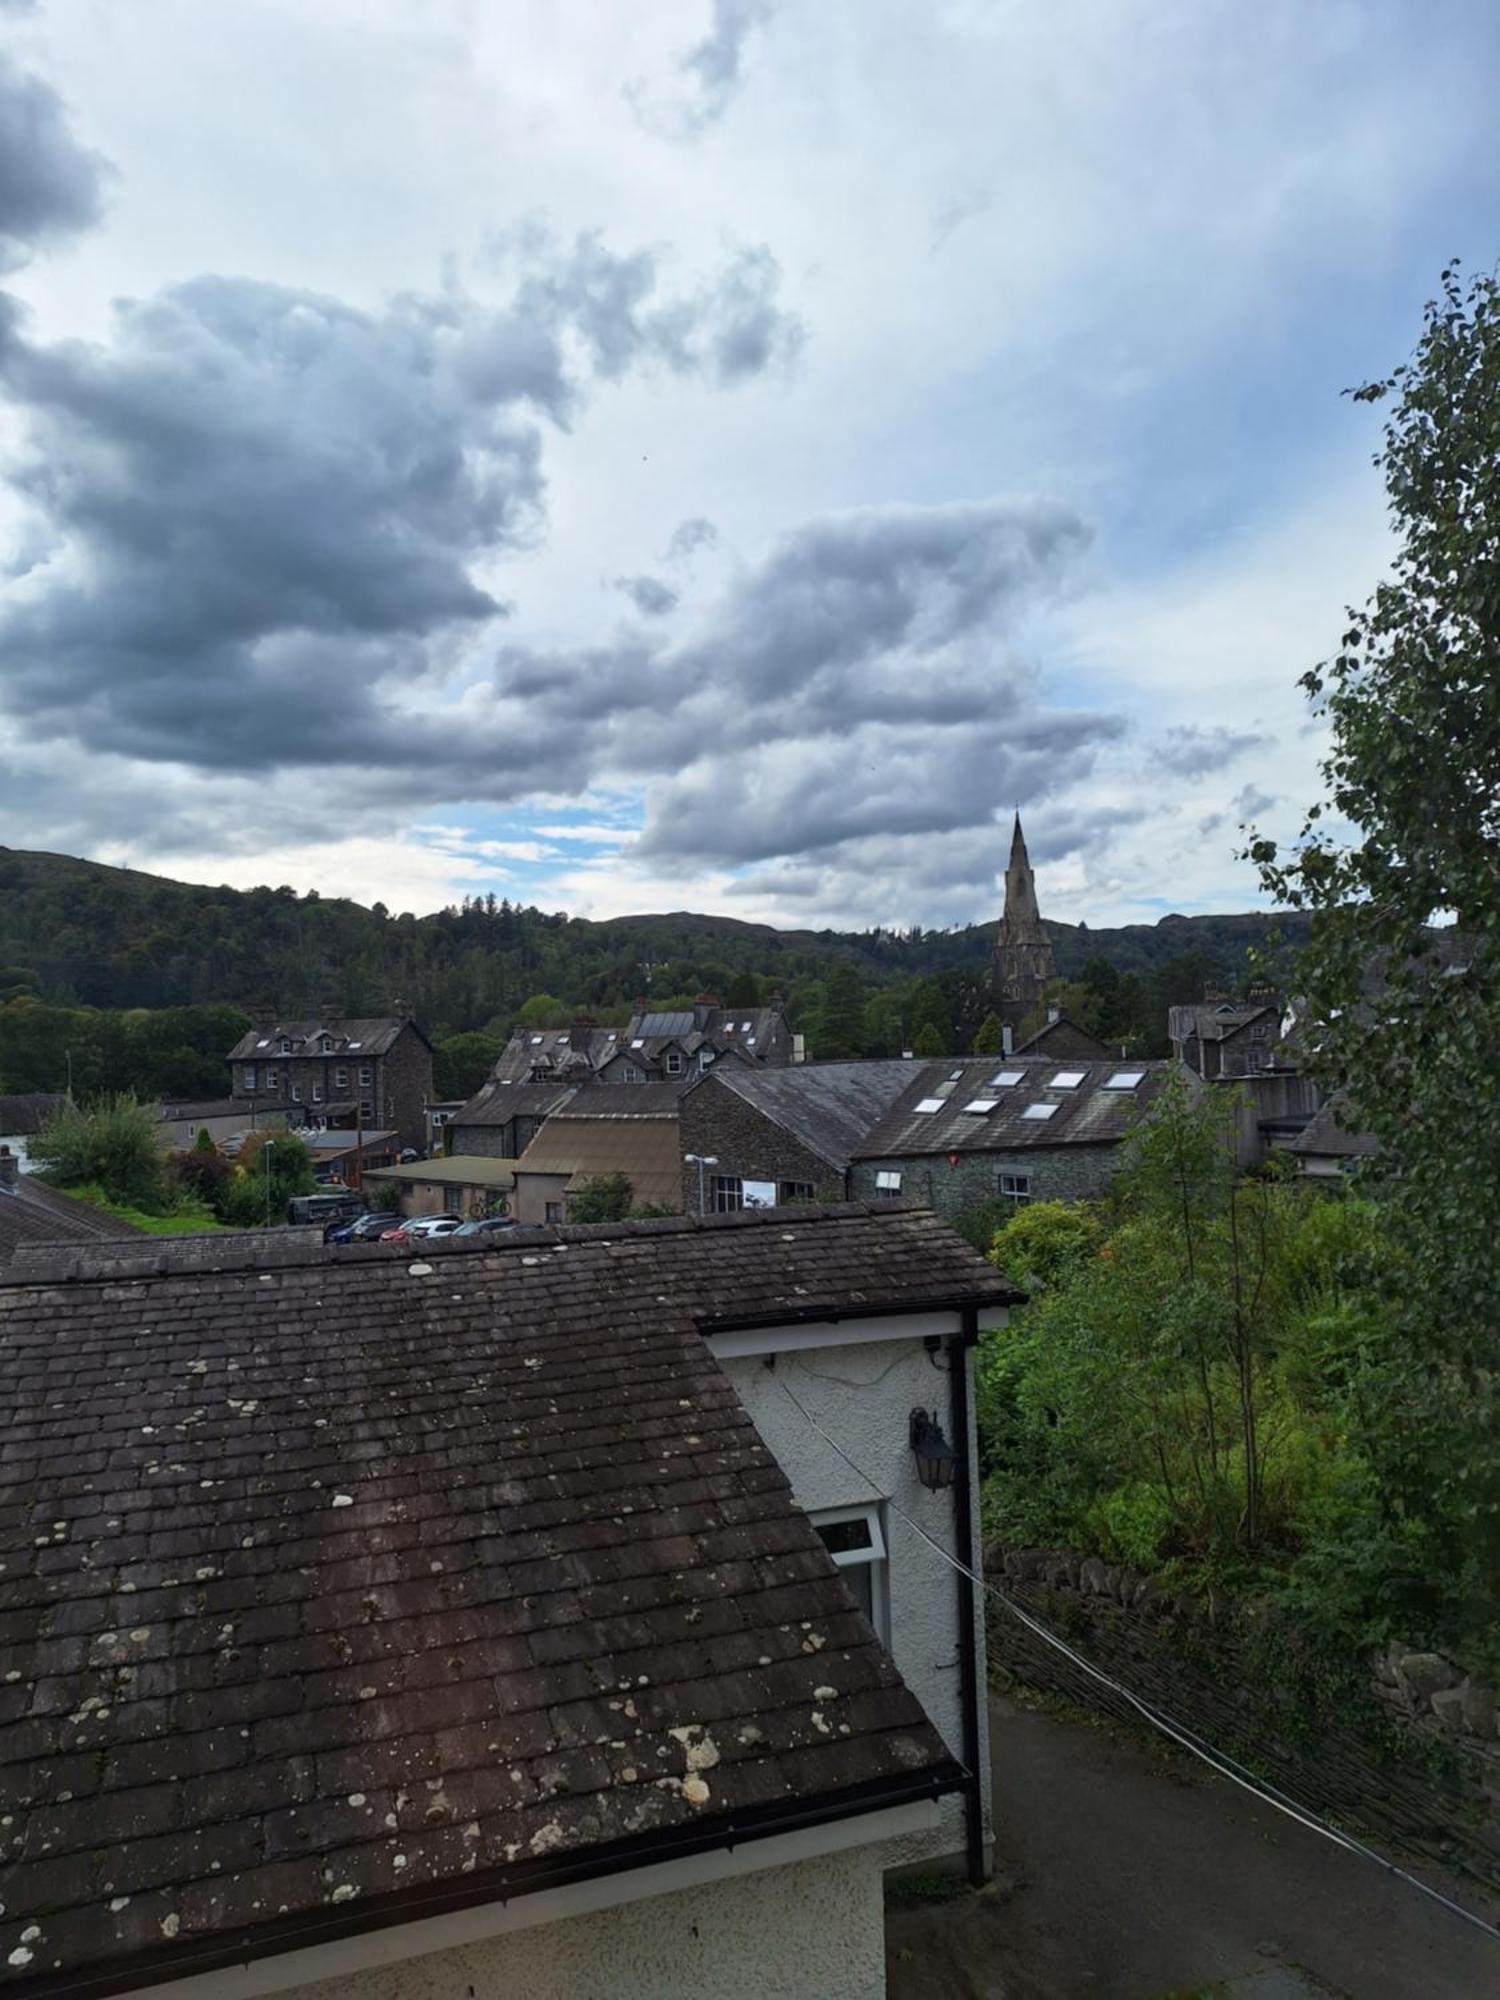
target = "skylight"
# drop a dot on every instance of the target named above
(536, 1041)
(1067, 1079)
(744, 1027)
(1124, 1079)
(1006, 1079)
(639, 1042)
(982, 1105)
(946, 1089)
(1039, 1111)
(929, 1104)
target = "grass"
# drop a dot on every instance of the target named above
(190, 1220)
(935, 1885)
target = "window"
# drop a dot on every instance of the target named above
(981, 1107)
(1007, 1079)
(639, 1042)
(1258, 1031)
(283, 1047)
(317, 1093)
(1124, 1079)
(325, 1043)
(631, 1074)
(705, 1060)
(929, 1105)
(554, 1211)
(856, 1542)
(1068, 1079)
(536, 1041)
(727, 1193)
(1016, 1187)
(1039, 1111)
(247, 1076)
(272, 1077)
(341, 1078)
(793, 1191)
(674, 1062)
(888, 1180)
(367, 1110)
(296, 1093)
(366, 1075)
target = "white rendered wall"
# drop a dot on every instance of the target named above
(810, 1931)
(863, 1395)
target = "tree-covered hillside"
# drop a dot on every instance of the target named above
(78, 933)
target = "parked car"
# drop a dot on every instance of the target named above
(418, 1227)
(361, 1229)
(487, 1225)
(324, 1208)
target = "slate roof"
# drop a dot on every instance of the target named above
(1216, 1020)
(1326, 1136)
(148, 1256)
(830, 1106)
(33, 1213)
(452, 1170)
(1088, 1114)
(1060, 1030)
(357, 1038)
(564, 1050)
(501, 1099)
(345, 1585)
(623, 1100)
(21, 1116)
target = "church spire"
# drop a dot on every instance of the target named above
(1022, 964)
(1020, 883)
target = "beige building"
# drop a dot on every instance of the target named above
(469, 1186)
(604, 1130)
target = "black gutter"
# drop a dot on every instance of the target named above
(959, 1302)
(327, 1925)
(963, 1538)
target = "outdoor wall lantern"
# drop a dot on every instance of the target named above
(937, 1461)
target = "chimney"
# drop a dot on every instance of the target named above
(1007, 1039)
(703, 1006)
(1053, 1014)
(10, 1168)
(777, 1002)
(580, 1034)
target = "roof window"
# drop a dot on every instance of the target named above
(929, 1105)
(1039, 1111)
(639, 1042)
(982, 1106)
(1006, 1079)
(1124, 1079)
(1067, 1079)
(536, 1041)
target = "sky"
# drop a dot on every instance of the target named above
(715, 454)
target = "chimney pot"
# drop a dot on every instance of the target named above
(10, 1168)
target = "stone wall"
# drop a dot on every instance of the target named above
(717, 1122)
(1406, 1756)
(1056, 1173)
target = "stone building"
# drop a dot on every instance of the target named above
(1219, 1036)
(336, 1072)
(1016, 1127)
(779, 1136)
(1022, 966)
(656, 1047)
(503, 1117)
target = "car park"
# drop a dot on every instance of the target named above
(487, 1225)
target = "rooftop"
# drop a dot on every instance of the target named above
(360, 1039)
(457, 1170)
(504, 1098)
(32, 1213)
(342, 1586)
(999, 1103)
(828, 1106)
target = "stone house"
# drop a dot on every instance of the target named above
(537, 1638)
(334, 1071)
(22, 1117)
(656, 1047)
(504, 1116)
(1008, 1126)
(781, 1135)
(1062, 1037)
(1326, 1149)
(1221, 1037)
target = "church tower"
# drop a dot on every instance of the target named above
(1023, 951)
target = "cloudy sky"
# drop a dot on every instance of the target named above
(715, 454)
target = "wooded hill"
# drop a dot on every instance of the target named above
(79, 933)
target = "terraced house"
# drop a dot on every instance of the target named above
(337, 1072)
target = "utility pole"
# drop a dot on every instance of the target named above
(701, 1161)
(267, 1155)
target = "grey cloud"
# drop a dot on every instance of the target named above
(1192, 752)
(50, 186)
(265, 507)
(688, 537)
(1250, 803)
(650, 596)
(708, 77)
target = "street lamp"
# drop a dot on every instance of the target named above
(266, 1150)
(700, 1161)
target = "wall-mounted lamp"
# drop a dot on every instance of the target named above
(937, 1461)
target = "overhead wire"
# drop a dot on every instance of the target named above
(1218, 1760)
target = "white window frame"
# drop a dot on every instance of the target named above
(325, 1045)
(341, 1077)
(366, 1074)
(1068, 1079)
(1014, 1187)
(1039, 1113)
(674, 1062)
(247, 1076)
(875, 1558)
(630, 1074)
(888, 1180)
(283, 1047)
(296, 1093)
(317, 1093)
(726, 1194)
(272, 1078)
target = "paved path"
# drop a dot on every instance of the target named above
(1124, 1874)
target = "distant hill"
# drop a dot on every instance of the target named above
(83, 933)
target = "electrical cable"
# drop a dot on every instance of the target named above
(1217, 1760)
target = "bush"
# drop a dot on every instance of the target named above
(604, 1199)
(111, 1146)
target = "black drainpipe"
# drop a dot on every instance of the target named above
(963, 1538)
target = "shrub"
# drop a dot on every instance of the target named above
(112, 1146)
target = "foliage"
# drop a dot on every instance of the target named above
(929, 1042)
(606, 1198)
(989, 1038)
(271, 1168)
(112, 1146)
(462, 1062)
(185, 1217)
(839, 1029)
(1404, 1019)
(1045, 1242)
(175, 1052)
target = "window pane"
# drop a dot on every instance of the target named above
(839, 1536)
(860, 1578)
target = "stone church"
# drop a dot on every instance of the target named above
(1022, 964)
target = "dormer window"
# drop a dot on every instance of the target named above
(674, 1062)
(283, 1047)
(325, 1044)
